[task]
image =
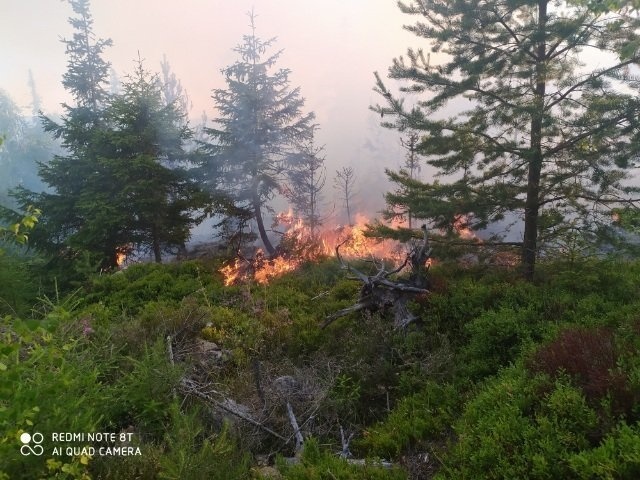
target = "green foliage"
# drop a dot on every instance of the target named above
(496, 338)
(513, 429)
(131, 289)
(517, 63)
(416, 421)
(499, 378)
(142, 394)
(318, 464)
(258, 133)
(17, 232)
(42, 383)
(190, 453)
(617, 456)
(123, 185)
(18, 283)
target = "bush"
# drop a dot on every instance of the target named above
(496, 338)
(617, 456)
(45, 387)
(512, 429)
(416, 421)
(317, 464)
(591, 358)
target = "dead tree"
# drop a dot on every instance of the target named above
(379, 293)
(344, 183)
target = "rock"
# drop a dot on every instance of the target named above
(211, 353)
(268, 472)
(287, 385)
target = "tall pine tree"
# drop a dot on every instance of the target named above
(546, 135)
(257, 133)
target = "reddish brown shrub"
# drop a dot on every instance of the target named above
(589, 356)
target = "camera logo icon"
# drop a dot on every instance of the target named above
(28, 439)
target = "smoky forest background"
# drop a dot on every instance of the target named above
(234, 304)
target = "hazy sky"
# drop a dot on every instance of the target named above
(332, 47)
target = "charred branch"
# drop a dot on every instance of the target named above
(379, 293)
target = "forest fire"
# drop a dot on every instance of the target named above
(461, 226)
(121, 257)
(300, 245)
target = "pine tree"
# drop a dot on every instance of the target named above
(260, 124)
(545, 137)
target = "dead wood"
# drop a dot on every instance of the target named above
(296, 428)
(379, 292)
(190, 387)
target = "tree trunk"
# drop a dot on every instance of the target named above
(155, 245)
(532, 202)
(258, 214)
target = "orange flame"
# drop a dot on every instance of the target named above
(303, 247)
(461, 226)
(121, 256)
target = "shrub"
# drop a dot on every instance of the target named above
(414, 422)
(44, 387)
(590, 357)
(317, 464)
(617, 456)
(496, 338)
(511, 429)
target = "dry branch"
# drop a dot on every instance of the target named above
(378, 292)
(228, 405)
(296, 429)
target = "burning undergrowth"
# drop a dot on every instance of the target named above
(301, 244)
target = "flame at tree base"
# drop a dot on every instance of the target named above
(298, 246)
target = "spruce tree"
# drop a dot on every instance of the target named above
(68, 205)
(256, 135)
(148, 167)
(544, 135)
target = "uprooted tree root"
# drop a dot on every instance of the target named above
(379, 293)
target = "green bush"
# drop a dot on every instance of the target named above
(414, 422)
(318, 464)
(616, 458)
(193, 454)
(519, 426)
(496, 338)
(129, 290)
(44, 388)
(143, 393)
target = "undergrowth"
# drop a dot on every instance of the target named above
(498, 378)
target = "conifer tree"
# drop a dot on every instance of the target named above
(148, 166)
(260, 124)
(69, 205)
(545, 135)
